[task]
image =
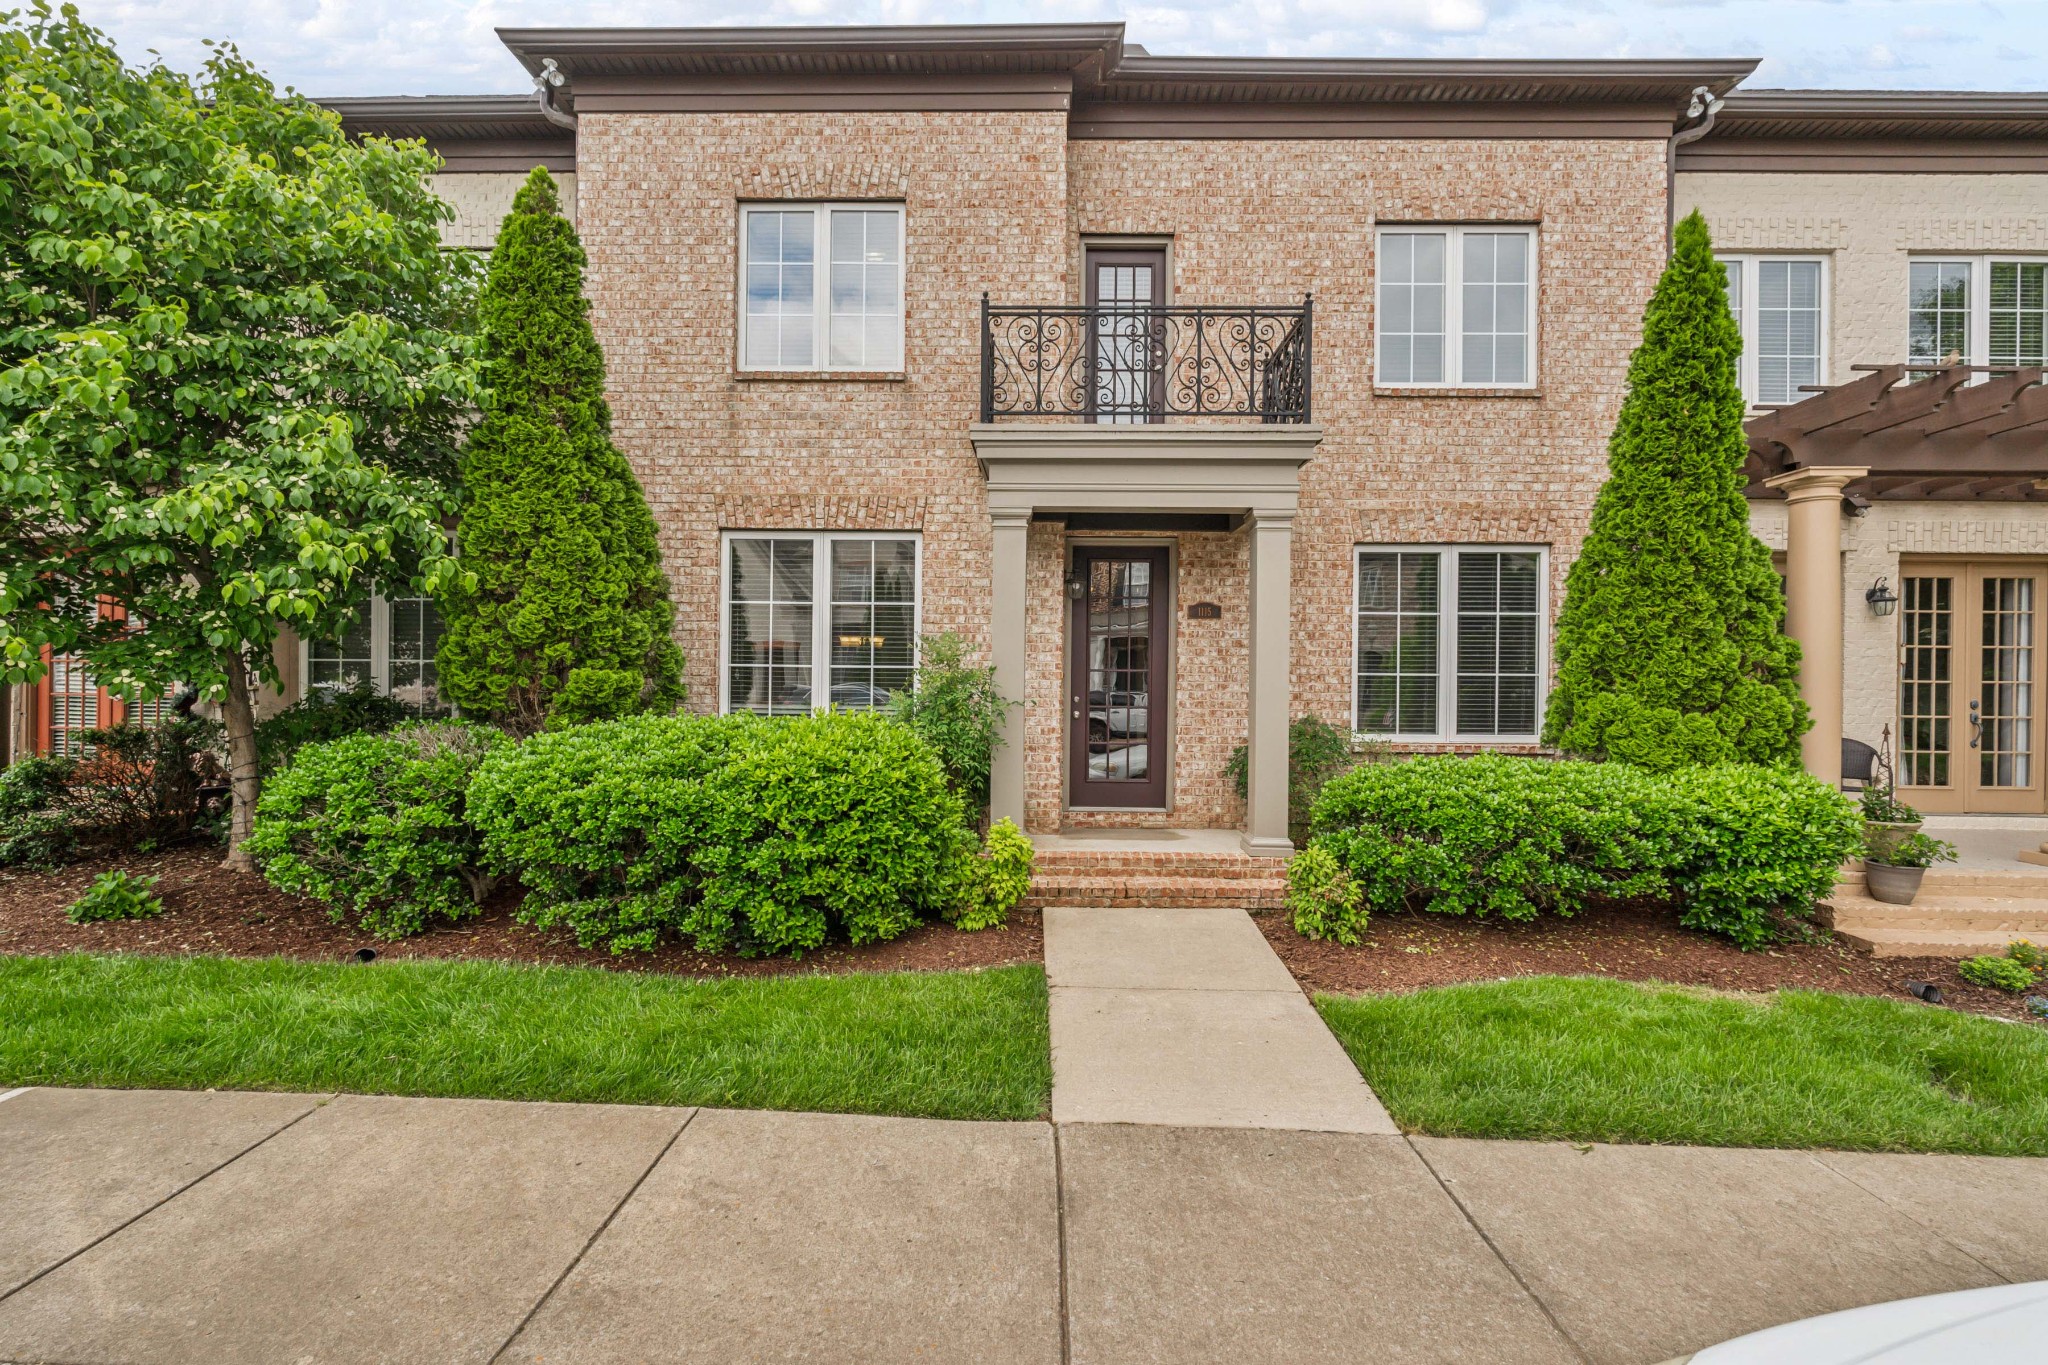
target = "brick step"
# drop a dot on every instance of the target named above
(1124, 891)
(1077, 863)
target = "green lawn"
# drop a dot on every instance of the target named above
(1598, 1060)
(938, 1044)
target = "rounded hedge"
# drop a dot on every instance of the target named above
(1515, 837)
(750, 835)
(376, 826)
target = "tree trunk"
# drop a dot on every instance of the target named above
(245, 778)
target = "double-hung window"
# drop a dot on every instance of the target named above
(821, 287)
(1780, 307)
(1457, 307)
(816, 619)
(390, 645)
(1980, 310)
(1450, 642)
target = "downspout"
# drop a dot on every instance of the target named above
(549, 80)
(1705, 104)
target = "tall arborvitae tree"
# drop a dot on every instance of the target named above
(570, 616)
(1669, 648)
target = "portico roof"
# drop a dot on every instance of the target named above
(1960, 432)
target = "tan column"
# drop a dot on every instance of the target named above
(1006, 652)
(1272, 627)
(1813, 604)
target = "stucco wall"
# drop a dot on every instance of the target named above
(1868, 225)
(481, 199)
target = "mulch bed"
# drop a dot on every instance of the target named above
(1406, 952)
(209, 909)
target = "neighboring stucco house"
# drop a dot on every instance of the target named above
(1202, 392)
(1869, 228)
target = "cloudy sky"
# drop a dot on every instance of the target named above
(413, 47)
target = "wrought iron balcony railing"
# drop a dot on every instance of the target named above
(1139, 363)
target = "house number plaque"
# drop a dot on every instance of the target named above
(1205, 611)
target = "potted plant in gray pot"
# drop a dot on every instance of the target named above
(1887, 821)
(1895, 879)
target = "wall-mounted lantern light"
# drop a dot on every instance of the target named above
(1075, 586)
(1883, 601)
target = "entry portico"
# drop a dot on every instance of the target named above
(1246, 473)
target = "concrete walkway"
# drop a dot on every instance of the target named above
(1188, 1018)
(226, 1228)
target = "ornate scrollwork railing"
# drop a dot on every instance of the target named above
(1127, 363)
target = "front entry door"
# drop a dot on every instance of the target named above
(1969, 699)
(1116, 681)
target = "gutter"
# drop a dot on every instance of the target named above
(1705, 105)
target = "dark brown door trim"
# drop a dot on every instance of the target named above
(1116, 704)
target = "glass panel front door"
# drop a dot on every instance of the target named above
(1116, 678)
(1969, 709)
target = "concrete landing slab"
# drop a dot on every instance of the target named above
(77, 1164)
(1227, 1059)
(376, 1229)
(1647, 1253)
(1178, 949)
(801, 1237)
(1993, 1207)
(1253, 1247)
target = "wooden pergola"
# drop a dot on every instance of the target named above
(1957, 433)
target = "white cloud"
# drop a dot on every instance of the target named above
(435, 46)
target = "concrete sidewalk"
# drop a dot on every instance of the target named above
(1189, 1018)
(154, 1227)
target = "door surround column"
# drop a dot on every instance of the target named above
(1813, 604)
(1271, 631)
(1012, 529)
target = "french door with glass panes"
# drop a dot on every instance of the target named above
(1969, 726)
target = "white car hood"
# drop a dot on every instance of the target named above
(2005, 1325)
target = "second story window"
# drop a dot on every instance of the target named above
(1457, 307)
(821, 287)
(1779, 304)
(1978, 310)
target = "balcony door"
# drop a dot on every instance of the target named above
(1116, 678)
(1127, 339)
(1970, 691)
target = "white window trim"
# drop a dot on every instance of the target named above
(1454, 303)
(821, 285)
(1977, 331)
(380, 649)
(821, 602)
(1746, 364)
(1447, 642)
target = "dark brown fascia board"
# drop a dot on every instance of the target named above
(1101, 65)
(1764, 106)
(1423, 78)
(1101, 44)
(470, 132)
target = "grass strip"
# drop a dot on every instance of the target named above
(1590, 1059)
(964, 1045)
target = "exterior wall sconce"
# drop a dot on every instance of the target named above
(1883, 601)
(1075, 587)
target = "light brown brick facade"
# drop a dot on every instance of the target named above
(1002, 202)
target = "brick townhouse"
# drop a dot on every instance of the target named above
(1207, 392)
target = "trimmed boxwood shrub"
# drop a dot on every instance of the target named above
(376, 826)
(750, 835)
(601, 822)
(1516, 837)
